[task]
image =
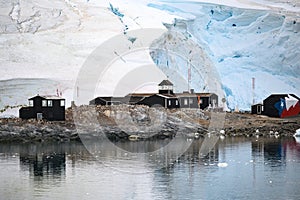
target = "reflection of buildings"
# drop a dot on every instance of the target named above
(51, 159)
(44, 163)
(276, 160)
(292, 148)
(270, 149)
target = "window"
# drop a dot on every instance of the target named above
(30, 102)
(185, 102)
(62, 102)
(44, 103)
(50, 103)
(191, 101)
(262, 108)
(176, 102)
(169, 102)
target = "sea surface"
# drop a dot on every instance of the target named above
(235, 168)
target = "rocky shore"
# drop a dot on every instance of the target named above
(237, 124)
(121, 122)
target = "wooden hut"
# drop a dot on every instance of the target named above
(257, 109)
(51, 108)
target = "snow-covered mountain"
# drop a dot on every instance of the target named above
(236, 39)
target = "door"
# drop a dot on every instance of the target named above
(39, 116)
(258, 109)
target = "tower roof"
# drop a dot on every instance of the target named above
(165, 82)
(50, 97)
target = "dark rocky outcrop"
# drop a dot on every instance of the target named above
(90, 122)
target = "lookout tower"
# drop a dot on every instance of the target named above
(165, 87)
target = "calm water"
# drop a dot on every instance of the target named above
(236, 168)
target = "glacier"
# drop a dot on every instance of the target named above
(231, 40)
(242, 44)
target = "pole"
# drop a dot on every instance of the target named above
(189, 75)
(253, 90)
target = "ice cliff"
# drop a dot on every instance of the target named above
(241, 43)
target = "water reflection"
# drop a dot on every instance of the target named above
(263, 168)
(41, 161)
(276, 150)
(44, 164)
(45, 159)
(273, 152)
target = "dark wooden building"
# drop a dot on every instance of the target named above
(281, 105)
(106, 101)
(164, 98)
(161, 100)
(208, 100)
(257, 108)
(129, 99)
(51, 108)
(134, 98)
(197, 100)
(188, 100)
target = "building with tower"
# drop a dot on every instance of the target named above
(165, 98)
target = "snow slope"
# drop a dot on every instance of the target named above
(50, 40)
(15, 92)
(47, 42)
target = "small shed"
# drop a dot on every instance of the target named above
(257, 109)
(47, 107)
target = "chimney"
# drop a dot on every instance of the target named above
(192, 91)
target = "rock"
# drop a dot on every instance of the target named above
(119, 122)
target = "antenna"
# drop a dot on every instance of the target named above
(189, 75)
(253, 90)
(167, 56)
(189, 70)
